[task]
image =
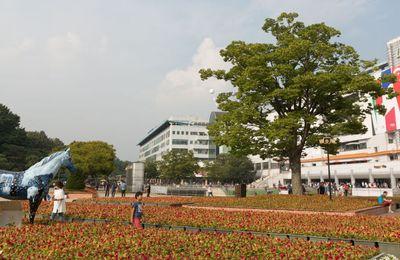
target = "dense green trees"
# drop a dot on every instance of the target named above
(230, 168)
(289, 93)
(20, 149)
(95, 158)
(177, 166)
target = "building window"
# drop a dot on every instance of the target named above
(187, 133)
(179, 150)
(313, 164)
(394, 157)
(201, 151)
(193, 133)
(203, 142)
(257, 166)
(390, 140)
(265, 165)
(191, 142)
(173, 132)
(180, 141)
(202, 134)
(354, 146)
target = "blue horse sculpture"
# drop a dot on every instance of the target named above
(33, 184)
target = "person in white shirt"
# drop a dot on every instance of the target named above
(59, 207)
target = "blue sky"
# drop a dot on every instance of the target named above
(112, 70)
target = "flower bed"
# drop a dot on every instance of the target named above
(359, 227)
(285, 202)
(95, 241)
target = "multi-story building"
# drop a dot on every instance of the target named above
(178, 134)
(373, 157)
(393, 48)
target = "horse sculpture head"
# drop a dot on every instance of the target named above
(67, 161)
(49, 166)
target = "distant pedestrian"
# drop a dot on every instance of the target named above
(59, 206)
(107, 189)
(148, 190)
(122, 187)
(321, 188)
(113, 188)
(137, 211)
(209, 192)
(346, 189)
(383, 201)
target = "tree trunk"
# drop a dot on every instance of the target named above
(295, 167)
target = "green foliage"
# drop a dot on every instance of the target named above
(230, 168)
(151, 169)
(289, 93)
(75, 181)
(176, 166)
(20, 149)
(119, 167)
(94, 159)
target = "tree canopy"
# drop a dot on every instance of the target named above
(20, 149)
(230, 168)
(95, 158)
(177, 166)
(290, 92)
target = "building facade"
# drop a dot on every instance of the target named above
(178, 134)
(373, 157)
(393, 48)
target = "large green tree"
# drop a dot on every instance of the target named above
(151, 169)
(231, 168)
(290, 92)
(95, 158)
(177, 166)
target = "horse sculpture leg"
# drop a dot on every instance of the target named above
(34, 204)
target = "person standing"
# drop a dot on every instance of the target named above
(122, 187)
(113, 188)
(346, 188)
(137, 211)
(148, 190)
(107, 189)
(209, 192)
(321, 188)
(59, 207)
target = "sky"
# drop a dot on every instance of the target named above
(113, 70)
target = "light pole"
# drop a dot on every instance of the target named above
(326, 141)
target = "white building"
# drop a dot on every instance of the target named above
(393, 48)
(178, 134)
(371, 157)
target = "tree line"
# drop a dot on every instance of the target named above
(20, 149)
(177, 166)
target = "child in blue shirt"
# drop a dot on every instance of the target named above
(137, 211)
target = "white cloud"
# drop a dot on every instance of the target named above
(182, 89)
(19, 48)
(64, 47)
